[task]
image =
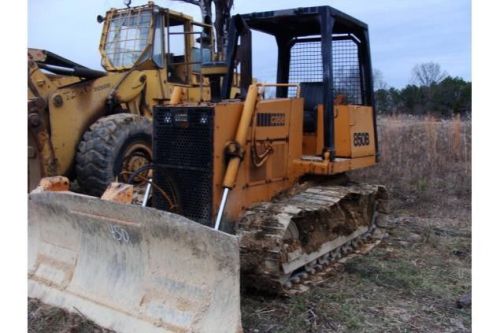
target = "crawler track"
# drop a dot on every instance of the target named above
(286, 242)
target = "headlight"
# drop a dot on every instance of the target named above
(204, 119)
(168, 118)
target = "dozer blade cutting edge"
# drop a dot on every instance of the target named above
(132, 269)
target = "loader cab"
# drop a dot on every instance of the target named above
(186, 45)
(150, 37)
(325, 53)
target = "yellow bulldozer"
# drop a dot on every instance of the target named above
(95, 126)
(249, 191)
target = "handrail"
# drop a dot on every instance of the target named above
(296, 85)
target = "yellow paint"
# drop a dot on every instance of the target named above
(288, 161)
(136, 90)
(352, 121)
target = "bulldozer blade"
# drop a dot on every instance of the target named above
(132, 269)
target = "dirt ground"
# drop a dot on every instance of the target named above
(411, 282)
(43, 318)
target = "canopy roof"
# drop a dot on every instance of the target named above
(299, 22)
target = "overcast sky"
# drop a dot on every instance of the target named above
(403, 32)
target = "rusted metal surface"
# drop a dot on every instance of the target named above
(53, 184)
(36, 55)
(119, 192)
(42, 160)
(326, 220)
(132, 269)
(135, 157)
(316, 272)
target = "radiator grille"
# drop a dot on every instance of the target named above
(306, 66)
(183, 155)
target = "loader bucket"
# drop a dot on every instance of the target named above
(132, 269)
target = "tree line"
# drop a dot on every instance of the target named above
(432, 91)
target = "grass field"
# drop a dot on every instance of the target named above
(425, 162)
(412, 280)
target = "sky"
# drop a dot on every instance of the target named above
(403, 33)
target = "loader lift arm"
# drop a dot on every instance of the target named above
(59, 65)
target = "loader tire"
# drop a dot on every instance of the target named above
(113, 147)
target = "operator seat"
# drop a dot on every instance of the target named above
(312, 92)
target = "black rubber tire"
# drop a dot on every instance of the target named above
(100, 154)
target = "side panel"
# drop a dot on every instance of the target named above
(279, 125)
(362, 131)
(354, 134)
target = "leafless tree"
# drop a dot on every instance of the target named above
(428, 73)
(378, 80)
(222, 16)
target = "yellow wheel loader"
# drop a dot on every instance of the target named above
(251, 188)
(96, 126)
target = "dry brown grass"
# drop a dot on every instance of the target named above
(43, 318)
(424, 162)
